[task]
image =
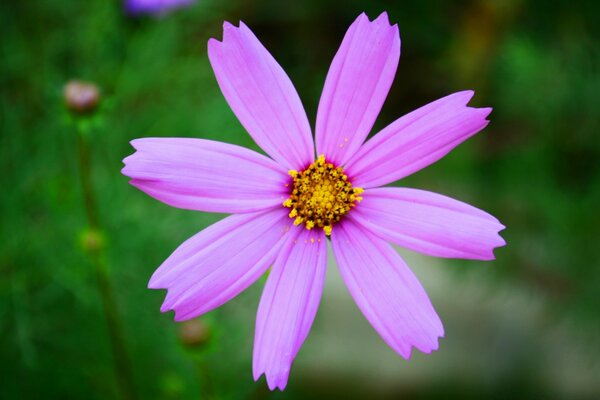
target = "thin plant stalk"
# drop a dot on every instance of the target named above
(95, 249)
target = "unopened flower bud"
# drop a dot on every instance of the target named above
(81, 97)
(194, 332)
(92, 240)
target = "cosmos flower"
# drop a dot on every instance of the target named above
(287, 206)
(154, 7)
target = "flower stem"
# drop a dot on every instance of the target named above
(95, 249)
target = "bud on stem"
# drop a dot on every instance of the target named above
(81, 97)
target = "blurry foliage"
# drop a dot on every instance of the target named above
(536, 167)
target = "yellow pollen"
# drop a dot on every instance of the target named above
(321, 195)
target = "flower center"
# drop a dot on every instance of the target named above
(321, 195)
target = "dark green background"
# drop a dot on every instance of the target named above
(524, 326)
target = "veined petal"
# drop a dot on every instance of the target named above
(416, 140)
(205, 175)
(288, 305)
(221, 261)
(429, 223)
(385, 290)
(262, 96)
(356, 86)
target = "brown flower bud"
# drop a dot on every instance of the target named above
(194, 332)
(81, 97)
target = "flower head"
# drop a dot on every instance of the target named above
(287, 205)
(155, 7)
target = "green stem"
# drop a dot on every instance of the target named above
(124, 374)
(86, 181)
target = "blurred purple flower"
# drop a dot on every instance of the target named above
(155, 7)
(335, 195)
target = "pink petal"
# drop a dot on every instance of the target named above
(205, 175)
(386, 291)
(357, 84)
(288, 305)
(416, 140)
(218, 263)
(429, 223)
(262, 96)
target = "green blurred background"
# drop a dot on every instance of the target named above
(524, 326)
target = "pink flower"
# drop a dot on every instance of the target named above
(155, 7)
(286, 205)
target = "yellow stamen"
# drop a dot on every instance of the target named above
(321, 195)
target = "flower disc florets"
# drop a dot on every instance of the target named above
(321, 195)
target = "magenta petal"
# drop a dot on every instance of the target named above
(206, 175)
(416, 140)
(262, 96)
(429, 223)
(356, 86)
(218, 263)
(288, 305)
(386, 291)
